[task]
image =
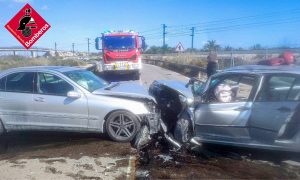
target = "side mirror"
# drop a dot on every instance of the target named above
(73, 95)
(143, 43)
(98, 43)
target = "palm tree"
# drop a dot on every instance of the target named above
(228, 48)
(211, 46)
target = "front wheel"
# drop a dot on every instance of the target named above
(2, 130)
(183, 130)
(122, 126)
(142, 138)
(136, 75)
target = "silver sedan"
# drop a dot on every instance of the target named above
(71, 99)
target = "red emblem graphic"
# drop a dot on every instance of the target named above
(27, 26)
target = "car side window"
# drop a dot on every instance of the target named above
(278, 87)
(50, 84)
(2, 84)
(20, 82)
(232, 88)
(245, 87)
(294, 94)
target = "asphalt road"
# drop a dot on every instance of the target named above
(53, 155)
(149, 73)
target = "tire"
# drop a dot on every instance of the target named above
(136, 75)
(2, 129)
(183, 129)
(122, 126)
(142, 138)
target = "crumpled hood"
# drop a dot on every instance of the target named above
(178, 86)
(126, 90)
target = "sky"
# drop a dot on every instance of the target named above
(236, 23)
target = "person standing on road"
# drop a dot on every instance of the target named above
(212, 64)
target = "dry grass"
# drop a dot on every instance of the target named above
(18, 61)
(189, 59)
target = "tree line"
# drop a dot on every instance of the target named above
(210, 45)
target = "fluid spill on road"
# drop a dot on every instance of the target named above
(216, 162)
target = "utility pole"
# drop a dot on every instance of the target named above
(232, 59)
(55, 49)
(164, 35)
(73, 48)
(193, 34)
(88, 40)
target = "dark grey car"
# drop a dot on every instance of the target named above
(263, 110)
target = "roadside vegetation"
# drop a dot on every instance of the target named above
(7, 62)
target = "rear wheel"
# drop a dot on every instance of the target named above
(122, 126)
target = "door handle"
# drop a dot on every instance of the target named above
(39, 99)
(284, 109)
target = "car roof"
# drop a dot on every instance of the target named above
(60, 69)
(265, 69)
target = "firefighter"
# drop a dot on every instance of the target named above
(212, 64)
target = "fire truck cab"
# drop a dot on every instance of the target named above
(121, 52)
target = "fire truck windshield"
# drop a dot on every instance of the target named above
(119, 42)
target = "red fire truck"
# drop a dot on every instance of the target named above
(121, 52)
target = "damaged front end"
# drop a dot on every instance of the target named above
(174, 102)
(153, 129)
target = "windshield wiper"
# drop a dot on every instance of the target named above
(110, 86)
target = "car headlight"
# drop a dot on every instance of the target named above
(185, 100)
(151, 106)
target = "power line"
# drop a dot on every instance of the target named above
(233, 27)
(184, 28)
(150, 30)
(260, 16)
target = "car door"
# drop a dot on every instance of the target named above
(53, 109)
(273, 110)
(16, 100)
(226, 120)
